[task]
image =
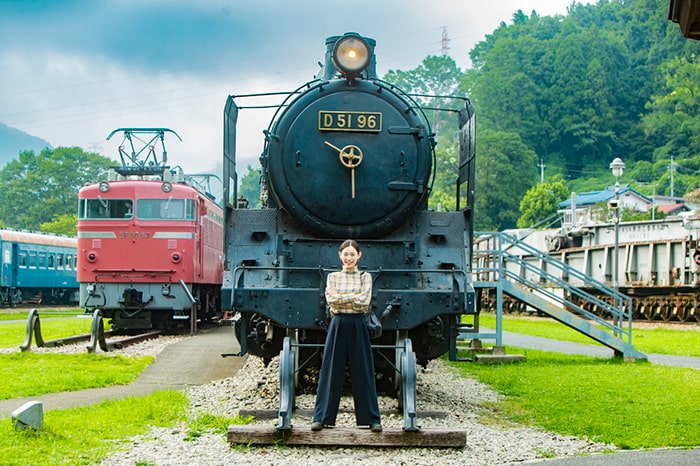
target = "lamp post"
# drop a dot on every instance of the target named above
(617, 166)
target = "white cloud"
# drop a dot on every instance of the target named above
(74, 90)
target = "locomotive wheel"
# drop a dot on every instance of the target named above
(665, 312)
(287, 370)
(407, 367)
(638, 309)
(684, 311)
(648, 310)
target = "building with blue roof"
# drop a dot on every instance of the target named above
(592, 207)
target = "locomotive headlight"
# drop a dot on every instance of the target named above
(351, 55)
(104, 186)
(166, 187)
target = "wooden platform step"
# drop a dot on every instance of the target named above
(346, 437)
(273, 413)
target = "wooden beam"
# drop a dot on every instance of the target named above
(272, 413)
(346, 437)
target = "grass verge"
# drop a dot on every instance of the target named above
(13, 334)
(86, 436)
(31, 374)
(678, 342)
(630, 405)
(21, 314)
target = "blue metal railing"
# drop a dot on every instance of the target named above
(501, 256)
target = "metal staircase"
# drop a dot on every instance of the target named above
(541, 282)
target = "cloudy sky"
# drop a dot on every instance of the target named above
(71, 71)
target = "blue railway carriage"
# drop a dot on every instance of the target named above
(37, 267)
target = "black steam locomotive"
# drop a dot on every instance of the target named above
(348, 155)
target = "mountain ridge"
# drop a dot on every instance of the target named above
(13, 141)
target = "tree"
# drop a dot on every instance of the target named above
(444, 194)
(540, 204)
(38, 189)
(439, 77)
(674, 111)
(249, 186)
(64, 224)
(505, 170)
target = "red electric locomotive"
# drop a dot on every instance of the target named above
(150, 248)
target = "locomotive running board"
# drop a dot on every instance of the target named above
(346, 437)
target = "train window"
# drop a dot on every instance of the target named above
(52, 261)
(32, 259)
(69, 259)
(100, 208)
(23, 259)
(59, 261)
(165, 209)
(42, 260)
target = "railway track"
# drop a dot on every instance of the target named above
(98, 337)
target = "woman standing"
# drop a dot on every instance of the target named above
(348, 293)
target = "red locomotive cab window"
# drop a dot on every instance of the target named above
(165, 209)
(100, 208)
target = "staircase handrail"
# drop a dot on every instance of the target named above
(621, 310)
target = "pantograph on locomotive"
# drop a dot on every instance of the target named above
(150, 240)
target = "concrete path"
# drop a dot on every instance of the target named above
(660, 457)
(194, 361)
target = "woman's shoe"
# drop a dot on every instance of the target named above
(318, 426)
(375, 427)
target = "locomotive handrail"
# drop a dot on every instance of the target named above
(127, 273)
(375, 272)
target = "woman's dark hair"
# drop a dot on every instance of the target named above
(349, 243)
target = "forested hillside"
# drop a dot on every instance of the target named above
(558, 98)
(614, 79)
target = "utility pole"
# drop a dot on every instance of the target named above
(672, 167)
(541, 165)
(444, 41)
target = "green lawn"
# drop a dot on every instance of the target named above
(21, 314)
(53, 326)
(678, 342)
(31, 374)
(630, 405)
(84, 436)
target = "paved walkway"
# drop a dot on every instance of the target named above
(661, 457)
(194, 361)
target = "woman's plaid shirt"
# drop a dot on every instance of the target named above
(349, 291)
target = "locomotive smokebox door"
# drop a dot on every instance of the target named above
(347, 158)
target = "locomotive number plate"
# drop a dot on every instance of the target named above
(350, 121)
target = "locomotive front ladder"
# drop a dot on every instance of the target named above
(499, 263)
